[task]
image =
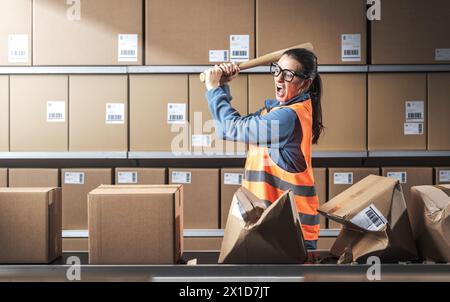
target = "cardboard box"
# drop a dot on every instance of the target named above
(76, 185)
(411, 32)
(340, 179)
(260, 233)
(397, 111)
(375, 219)
(140, 176)
(21, 177)
(429, 213)
(203, 127)
(409, 177)
(155, 108)
(346, 32)
(30, 225)
(202, 243)
(325, 243)
(75, 245)
(438, 111)
(3, 177)
(261, 87)
(198, 27)
(149, 226)
(101, 32)
(39, 110)
(230, 182)
(4, 113)
(15, 35)
(201, 196)
(320, 182)
(98, 113)
(442, 175)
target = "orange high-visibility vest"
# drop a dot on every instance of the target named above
(268, 181)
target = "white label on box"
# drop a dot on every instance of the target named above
(370, 219)
(415, 111)
(444, 176)
(402, 177)
(17, 48)
(176, 113)
(115, 113)
(343, 178)
(233, 178)
(179, 177)
(127, 177)
(201, 140)
(56, 111)
(413, 129)
(74, 178)
(351, 47)
(239, 48)
(442, 54)
(218, 56)
(128, 48)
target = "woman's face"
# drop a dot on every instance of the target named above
(285, 91)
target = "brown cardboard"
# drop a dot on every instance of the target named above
(348, 17)
(325, 243)
(149, 225)
(228, 186)
(66, 35)
(75, 193)
(442, 175)
(140, 176)
(392, 240)
(150, 96)
(197, 26)
(388, 94)
(89, 98)
(21, 177)
(30, 129)
(3, 177)
(438, 111)
(202, 243)
(260, 233)
(320, 182)
(201, 197)
(429, 212)
(409, 32)
(261, 87)
(202, 122)
(4, 113)
(16, 18)
(30, 225)
(75, 245)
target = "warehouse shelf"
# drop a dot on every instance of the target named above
(408, 68)
(75, 233)
(182, 155)
(65, 70)
(337, 154)
(63, 155)
(424, 153)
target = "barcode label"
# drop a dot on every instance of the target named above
(413, 129)
(444, 176)
(200, 140)
(233, 179)
(128, 48)
(74, 178)
(370, 219)
(343, 178)
(17, 48)
(442, 54)
(176, 113)
(181, 177)
(402, 177)
(56, 111)
(415, 111)
(115, 113)
(127, 177)
(239, 48)
(351, 47)
(217, 56)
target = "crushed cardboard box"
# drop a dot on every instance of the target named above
(260, 233)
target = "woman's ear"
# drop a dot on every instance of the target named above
(305, 85)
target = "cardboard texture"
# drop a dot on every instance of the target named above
(201, 196)
(410, 32)
(202, 122)
(76, 185)
(4, 113)
(34, 125)
(21, 177)
(442, 175)
(438, 111)
(75, 245)
(202, 243)
(87, 32)
(347, 17)
(98, 113)
(375, 219)
(325, 243)
(197, 26)
(320, 182)
(140, 176)
(15, 36)
(388, 96)
(230, 182)
(30, 225)
(150, 126)
(3, 177)
(260, 233)
(149, 224)
(429, 212)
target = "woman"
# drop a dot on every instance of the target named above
(280, 134)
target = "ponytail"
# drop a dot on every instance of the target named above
(315, 90)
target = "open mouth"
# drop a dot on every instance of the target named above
(280, 90)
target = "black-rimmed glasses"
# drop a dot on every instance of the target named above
(288, 75)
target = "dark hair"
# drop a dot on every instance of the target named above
(308, 62)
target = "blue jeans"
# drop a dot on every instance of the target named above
(311, 244)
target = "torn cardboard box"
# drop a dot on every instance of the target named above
(257, 232)
(375, 222)
(429, 213)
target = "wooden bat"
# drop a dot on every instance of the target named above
(266, 59)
